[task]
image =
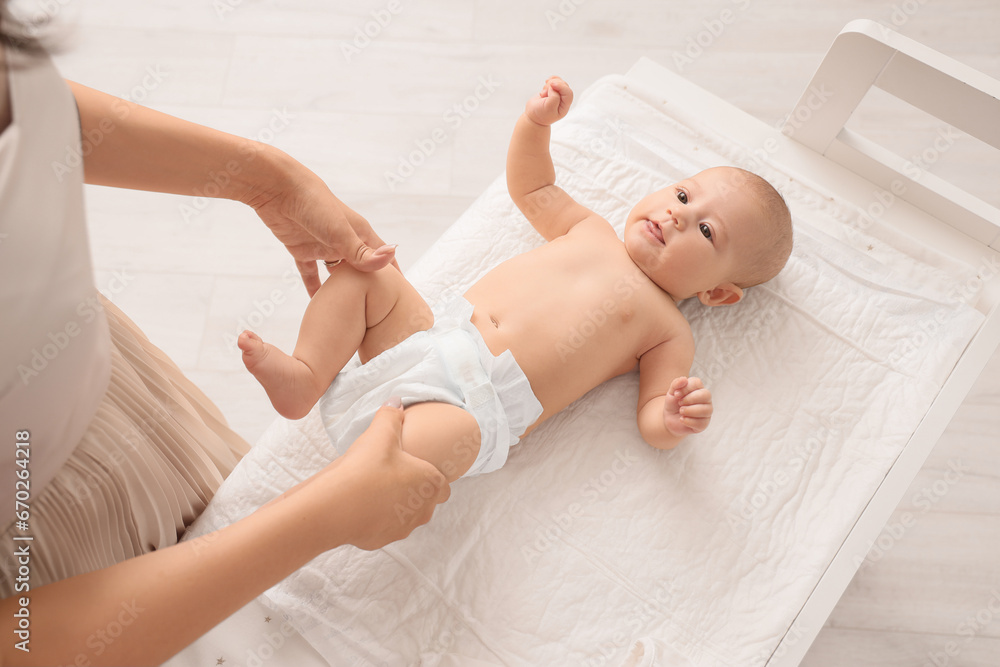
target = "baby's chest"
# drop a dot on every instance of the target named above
(601, 327)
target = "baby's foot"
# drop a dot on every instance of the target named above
(287, 381)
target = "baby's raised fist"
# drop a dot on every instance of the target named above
(687, 407)
(551, 104)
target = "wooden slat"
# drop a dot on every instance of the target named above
(866, 53)
(965, 99)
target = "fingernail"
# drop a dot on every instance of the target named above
(394, 402)
(386, 249)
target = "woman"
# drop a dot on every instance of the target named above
(109, 451)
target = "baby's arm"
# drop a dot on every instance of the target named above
(531, 176)
(671, 405)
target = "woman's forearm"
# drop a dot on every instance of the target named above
(144, 610)
(130, 146)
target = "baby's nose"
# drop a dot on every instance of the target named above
(678, 223)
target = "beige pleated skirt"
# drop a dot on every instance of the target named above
(151, 459)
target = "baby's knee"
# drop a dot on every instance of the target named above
(393, 310)
(381, 286)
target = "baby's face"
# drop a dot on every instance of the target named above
(686, 237)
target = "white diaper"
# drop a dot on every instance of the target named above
(448, 363)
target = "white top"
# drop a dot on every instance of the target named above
(54, 342)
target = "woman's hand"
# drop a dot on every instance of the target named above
(144, 149)
(373, 494)
(397, 491)
(315, 226)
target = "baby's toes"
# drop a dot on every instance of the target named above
(253, 348)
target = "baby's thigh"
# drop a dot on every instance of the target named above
(394, 312)
(442, 434)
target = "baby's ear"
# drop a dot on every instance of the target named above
(724, 294)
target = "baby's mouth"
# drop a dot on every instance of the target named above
(655, 230)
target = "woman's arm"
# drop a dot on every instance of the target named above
(172, 597)
(126, 145)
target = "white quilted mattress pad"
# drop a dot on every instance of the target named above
(589, 544)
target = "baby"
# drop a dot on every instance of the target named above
(482, 371)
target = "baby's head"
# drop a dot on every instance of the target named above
(711, 235)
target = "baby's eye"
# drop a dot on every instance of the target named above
(682, 196)
(705, 230)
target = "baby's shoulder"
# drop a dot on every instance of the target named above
(594, 228)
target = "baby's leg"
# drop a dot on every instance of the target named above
(442, 434)
(353, 311)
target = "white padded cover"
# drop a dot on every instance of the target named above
(591, 548)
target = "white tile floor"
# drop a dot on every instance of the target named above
(192, 281)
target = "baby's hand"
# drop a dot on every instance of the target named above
(687, 407)
(551, 104)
